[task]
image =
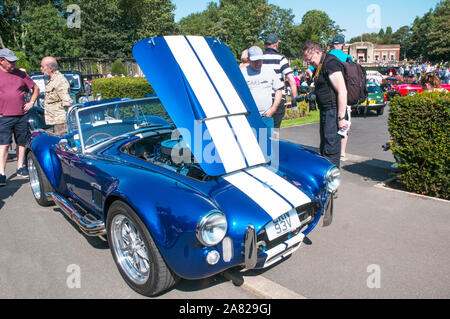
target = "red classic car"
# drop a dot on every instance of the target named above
(412, 89)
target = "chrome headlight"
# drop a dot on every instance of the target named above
(212, 228)
(333, 179)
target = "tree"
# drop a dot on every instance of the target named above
(317, 26)
(439, 35)
(239, 23)
(112, 31)
(118, 68)
(365, 37)
(203, 23)
(402, 36)
(419, 36)
(45, 34)
(281, 23)
(104, 33)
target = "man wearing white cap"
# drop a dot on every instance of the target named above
(262, 80)
(14, 84)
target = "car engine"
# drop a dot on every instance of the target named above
(172, 154)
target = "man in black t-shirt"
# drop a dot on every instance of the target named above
(331, 96)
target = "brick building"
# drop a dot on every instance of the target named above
(373, 53)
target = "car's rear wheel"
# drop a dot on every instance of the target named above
(135, 252)
(38, 181)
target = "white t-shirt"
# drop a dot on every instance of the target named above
(261, 83)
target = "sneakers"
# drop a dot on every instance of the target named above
(2, 180)
(23, 171)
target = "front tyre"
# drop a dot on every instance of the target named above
(38, 181)
(135, 252)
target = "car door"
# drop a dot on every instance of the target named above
(87, 181)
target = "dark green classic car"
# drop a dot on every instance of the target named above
(375, 100)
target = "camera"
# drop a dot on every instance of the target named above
(306, 94)
(308, 97)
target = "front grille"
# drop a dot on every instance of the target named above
(306, 213)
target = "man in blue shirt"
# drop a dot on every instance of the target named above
(338, 47)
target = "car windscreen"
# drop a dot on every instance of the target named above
(74, 80)
(373, 89)
(98, 123)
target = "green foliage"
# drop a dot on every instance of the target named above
(23, 62)
(296, 118)
(46, 30)
(298, 64)
(420, 131)
(118, 68)
(121, 87)
(319, 27)
(302, 110)
(238, 23)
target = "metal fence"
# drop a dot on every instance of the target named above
(97, 65)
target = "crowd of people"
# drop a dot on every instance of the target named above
(410, 72)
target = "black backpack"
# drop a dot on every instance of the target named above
(355, 79)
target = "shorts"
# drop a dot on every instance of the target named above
(14, 125)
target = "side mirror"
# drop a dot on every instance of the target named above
(64, 145)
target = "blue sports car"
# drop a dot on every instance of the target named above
(185, 184)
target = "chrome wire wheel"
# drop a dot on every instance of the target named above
(130, 249)
(34, 179)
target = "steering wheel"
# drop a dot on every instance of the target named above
(95, 135)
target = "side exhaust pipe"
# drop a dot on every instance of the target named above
(88, 224)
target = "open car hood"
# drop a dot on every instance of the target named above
(202, 88)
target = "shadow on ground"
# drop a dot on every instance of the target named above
(374, 169)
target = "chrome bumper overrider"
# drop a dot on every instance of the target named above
(328, 211)
(279, 248)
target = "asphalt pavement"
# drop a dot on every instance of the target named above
(382, 243)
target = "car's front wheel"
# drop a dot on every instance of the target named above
(135, 252)
(40, 185)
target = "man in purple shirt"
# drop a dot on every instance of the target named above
(14, 84)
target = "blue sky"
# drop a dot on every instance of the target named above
(356, 16)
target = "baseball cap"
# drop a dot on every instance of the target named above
(8, 55)
(255, 53)
(339, 39)
(271, 39)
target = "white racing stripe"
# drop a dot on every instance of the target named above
(196, 76)
(291, 193)
(271, 202)
(221, 133)
(218, 76)
(233, 102)
(226, 145)
(247, 140)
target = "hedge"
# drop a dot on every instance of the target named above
(121, 87)
(420, 129)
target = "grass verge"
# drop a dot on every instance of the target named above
(313, 117)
